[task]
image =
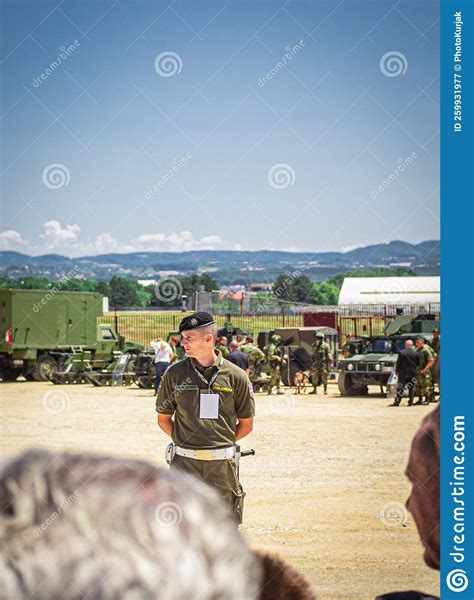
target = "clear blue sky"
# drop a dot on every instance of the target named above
(117, 126)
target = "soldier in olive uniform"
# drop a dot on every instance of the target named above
(435, 370)
(275, 360)
(222, 346)
(423, 379)
(321, 363)
(346, 348)
(206, 404)
(255, 356)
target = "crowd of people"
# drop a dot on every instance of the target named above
(80, 525)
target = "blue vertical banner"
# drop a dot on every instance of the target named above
(457, 295)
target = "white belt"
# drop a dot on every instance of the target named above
(213, 454)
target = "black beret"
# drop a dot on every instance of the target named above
(196, 320)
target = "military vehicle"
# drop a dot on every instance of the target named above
(103, 358)
(121, 371)
(144, 365)
(230, 332)
(376, 362)
(43, 331)
(298, 346)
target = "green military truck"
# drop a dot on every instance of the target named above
(375, 361)
(41, 330)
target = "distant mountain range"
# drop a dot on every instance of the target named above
(228, 266)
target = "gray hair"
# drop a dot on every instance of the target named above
(81, 524)
(210, 329)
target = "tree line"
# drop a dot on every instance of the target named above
(125, 292)
(300, 288)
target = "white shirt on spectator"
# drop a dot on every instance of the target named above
(162, 355)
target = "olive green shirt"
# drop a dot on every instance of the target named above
(223, 349)
(426, 354)
(179, 395)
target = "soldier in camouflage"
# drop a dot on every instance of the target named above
(275, 360)
(435, 370)
(255, 356)
(423, 380)
(222, 346)
(321, 363)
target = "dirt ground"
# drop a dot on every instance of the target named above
(325, 489)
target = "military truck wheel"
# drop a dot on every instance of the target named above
(348, 388)
(44, 368)
(256, 388)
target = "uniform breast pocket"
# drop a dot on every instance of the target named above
(187, 397)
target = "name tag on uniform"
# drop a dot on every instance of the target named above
(209, 406)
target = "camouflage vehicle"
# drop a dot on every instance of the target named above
(298, 343)
(121, 371)
(376, 362)
(108, 348)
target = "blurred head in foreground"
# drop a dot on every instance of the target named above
(82, 525)
(423, 472)
(79, 524)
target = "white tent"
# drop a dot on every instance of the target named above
(390, 290)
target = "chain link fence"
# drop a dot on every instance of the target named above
(143, 326)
